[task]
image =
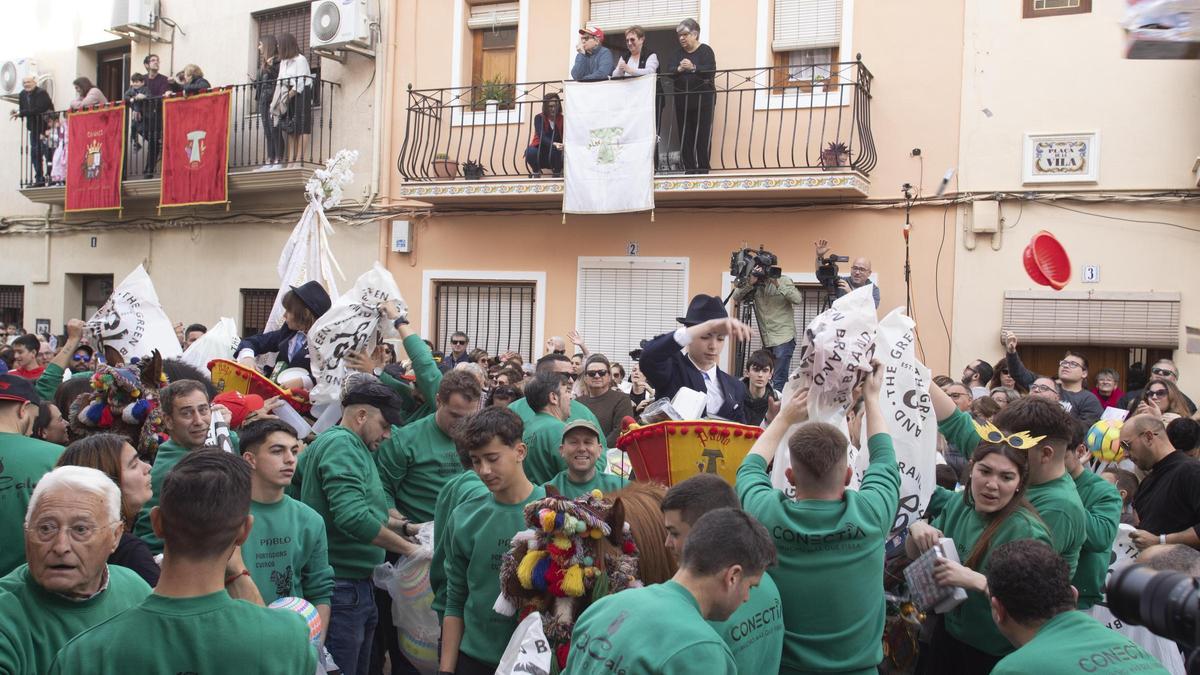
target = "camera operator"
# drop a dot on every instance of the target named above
(860, 272)
(773, 298)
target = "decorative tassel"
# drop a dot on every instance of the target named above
(572, 583)
(541, 574)
(525, 569)
(504, 605)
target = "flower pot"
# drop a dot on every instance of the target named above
(491, 106)
(446, 169)
(831, 160)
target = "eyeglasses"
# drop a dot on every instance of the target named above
(597, 373)
(47, 531)
(458, 342)
(958, 394)
(1041, 387)
(1163, 372)
(1157, 393)
(560, 351)
(1069, 364)
(631, 39)
(856, 268)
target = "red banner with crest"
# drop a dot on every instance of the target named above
(196, 149)
(95, 158)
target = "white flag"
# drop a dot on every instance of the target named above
(133, 322)
(306, 257)
(352, 324)
(608, 146)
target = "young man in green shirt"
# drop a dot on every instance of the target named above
(473, 634)
(580, 450)
(561, 364)
(25, 460)
(341, 483)
(187, 416)
(754, 634)
(1033, 606)
(1051, 490)
(190, 624)
(420, 458)
(67, 586)
(827, 535)
(667, 628)
(287, 553)
(1102, 506)
(549, 396)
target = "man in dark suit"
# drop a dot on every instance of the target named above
(688, 358)
(32, 104)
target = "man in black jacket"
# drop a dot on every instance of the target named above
(33, 103)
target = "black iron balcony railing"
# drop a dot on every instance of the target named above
(775, 118)
(305, 137)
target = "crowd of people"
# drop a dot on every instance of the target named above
(283, 92)
(138, 523)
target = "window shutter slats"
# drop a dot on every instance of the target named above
(622, 302)
(498, 15)
(807, 24)
(617, 15)
(1145, 320)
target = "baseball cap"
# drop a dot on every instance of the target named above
(594, 32)
(581, 424)
(239, 405)
(16, 388)
(372, 392)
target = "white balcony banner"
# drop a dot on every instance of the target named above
(608, 146)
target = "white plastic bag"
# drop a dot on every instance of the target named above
(412, 603)
(219, 342)
(528, 650)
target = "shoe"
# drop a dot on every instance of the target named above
(535, 175)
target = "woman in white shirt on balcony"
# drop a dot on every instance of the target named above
(636, 63)
(292, 103)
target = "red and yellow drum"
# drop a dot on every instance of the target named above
(671, 452)
(232, 376)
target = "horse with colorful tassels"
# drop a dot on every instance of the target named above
(574, 553)
(123, 400)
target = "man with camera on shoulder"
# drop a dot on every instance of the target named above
(860, 271)
(772, 295)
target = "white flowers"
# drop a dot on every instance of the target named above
(325, 186)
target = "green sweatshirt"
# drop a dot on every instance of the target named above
(482, 534)
(287, 552)
(169, 454)
(23, 462)
(1056, 501)
(656, 629)
(415, 464)
(342, 485)
(207, 634)
(605, 482)
(821, 544)
(579, 411)
(429, 378)
(971, 622)
(1102, 509)
(1073, 643)
(35, 623)
(47, 383)
(754, 634)
(462, 489)
(543, 436)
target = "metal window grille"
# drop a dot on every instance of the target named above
(12, 304)
(294, 19)
(496, 316)
(256, 308)
(813, 304)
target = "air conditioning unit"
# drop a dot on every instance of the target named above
(13, 72)
(337, 23)
(134, 15)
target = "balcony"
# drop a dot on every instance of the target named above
(247, 150)
(770, 140)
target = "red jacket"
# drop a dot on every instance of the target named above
(1111, 400)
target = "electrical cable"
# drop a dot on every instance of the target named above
(937, 292)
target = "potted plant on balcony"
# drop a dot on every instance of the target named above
(444, 167)
(835, 156)
(473, 170)
(493, 95)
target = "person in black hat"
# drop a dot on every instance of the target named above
(702, 337)
(302, 306)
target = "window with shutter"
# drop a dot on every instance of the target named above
(617, 15)
(294, 19)
(622, 301)
(496, 316)
(12, 305)
(256, 308)
(494, 50)
(495, 15)
(806, 40)
(1099, 318)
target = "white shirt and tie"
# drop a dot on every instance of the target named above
(715, 397)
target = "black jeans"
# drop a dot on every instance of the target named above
(38, 154)
(694, 116)
(272, 134)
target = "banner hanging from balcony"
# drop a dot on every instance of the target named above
(95, 162)
(195, 149)
(608, 146)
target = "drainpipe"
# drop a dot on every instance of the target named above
(382, 50)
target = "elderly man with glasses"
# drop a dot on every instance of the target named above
(1072, 375)
(1168, 500)
(66, 586)
(1167, 370)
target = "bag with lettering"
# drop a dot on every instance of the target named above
(407, 581)
(528, 650)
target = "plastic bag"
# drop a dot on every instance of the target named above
(219, 342)
(407, 581)
(528, 650)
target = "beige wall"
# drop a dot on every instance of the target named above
(1068, 75)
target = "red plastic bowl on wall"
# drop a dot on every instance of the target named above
(1046, 261)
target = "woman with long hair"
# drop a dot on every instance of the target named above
(992, 510)
(1165, 396)
(86, 94)
(643, 513)
(292, 103)
(113, 455)
(264, 91)
(545, 147)
(50, 425)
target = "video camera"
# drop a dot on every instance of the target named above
(827, 272)
(1166, 603)
(747, 262)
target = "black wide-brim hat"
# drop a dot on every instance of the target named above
(703, 308)
(314, 297)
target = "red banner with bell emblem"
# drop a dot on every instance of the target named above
(195, 149)
(95, 139)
